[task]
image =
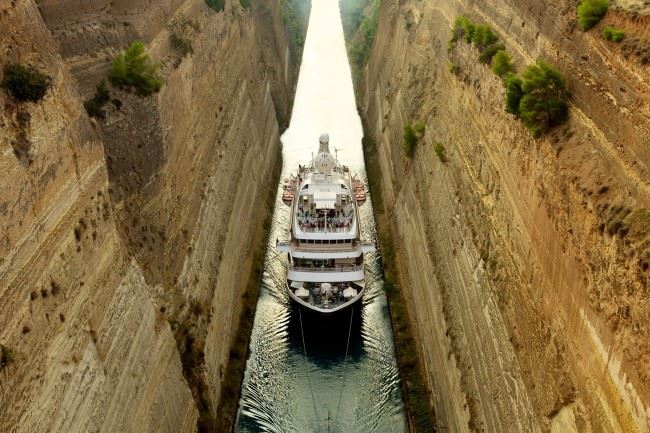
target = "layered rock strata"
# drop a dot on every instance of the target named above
(524, 260)
(126, 242)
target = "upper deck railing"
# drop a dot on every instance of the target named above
(350, 268)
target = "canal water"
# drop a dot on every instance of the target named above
(294, 388)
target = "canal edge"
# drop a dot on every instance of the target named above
(416, 395)
(231, 388)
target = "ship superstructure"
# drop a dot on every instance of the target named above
(325, 273)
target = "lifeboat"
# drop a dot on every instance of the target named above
(288, 191)
(359, 190)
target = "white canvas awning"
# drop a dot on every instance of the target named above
(325, 199)
(297, 284)
(360, 283)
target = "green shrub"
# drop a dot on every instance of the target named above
(463, 28)
(441, 152)
(217, 5)
(545, 100)
(488, 53)
(419, 129)
(365, 37)
(95, 106)
(410, 140)
(502, 63)
(134, 69)
(590, 12)
(453, 68)
(181, 43)
(6, 356)
(246, 4)
(293, 12)
(25, 83)
(514, 93)
(613, 34)
(483, 36)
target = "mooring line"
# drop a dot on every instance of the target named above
(304, 348)
(347, 348)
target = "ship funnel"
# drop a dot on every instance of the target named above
(324, 161)
(324, 141)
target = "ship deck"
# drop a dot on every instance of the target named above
(326, 303)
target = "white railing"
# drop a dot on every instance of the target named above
(324, 269)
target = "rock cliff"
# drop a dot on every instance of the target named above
(127, 242)
(524, 261)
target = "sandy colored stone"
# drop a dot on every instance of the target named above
(524, 303)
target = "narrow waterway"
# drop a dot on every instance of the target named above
(289, 387)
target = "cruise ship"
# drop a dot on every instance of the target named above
(325, 272)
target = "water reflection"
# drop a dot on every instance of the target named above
(285, 390)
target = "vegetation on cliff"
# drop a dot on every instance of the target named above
(295, 17)
(480, 35)
(441, 153)
(133, 69)
(25, 83)
(216, 5)
(613, 34)
(544, 98)
(360, 20)
(590, 12)
(95, 106)
(539, 98)
(514, 93)
(502, 64)
(412, 135)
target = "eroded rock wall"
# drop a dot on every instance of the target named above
(127, 242)
(523, 259)
(89, 349)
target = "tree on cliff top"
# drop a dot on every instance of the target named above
(134, 69)
(590, 12)
(545, 98)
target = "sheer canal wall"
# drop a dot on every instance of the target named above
(522, 260)
(127, 242)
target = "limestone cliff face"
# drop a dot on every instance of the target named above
(524, 260)
(126, 239)
(90, 351)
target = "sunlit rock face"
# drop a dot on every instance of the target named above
(523, 259)
(120, 237)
